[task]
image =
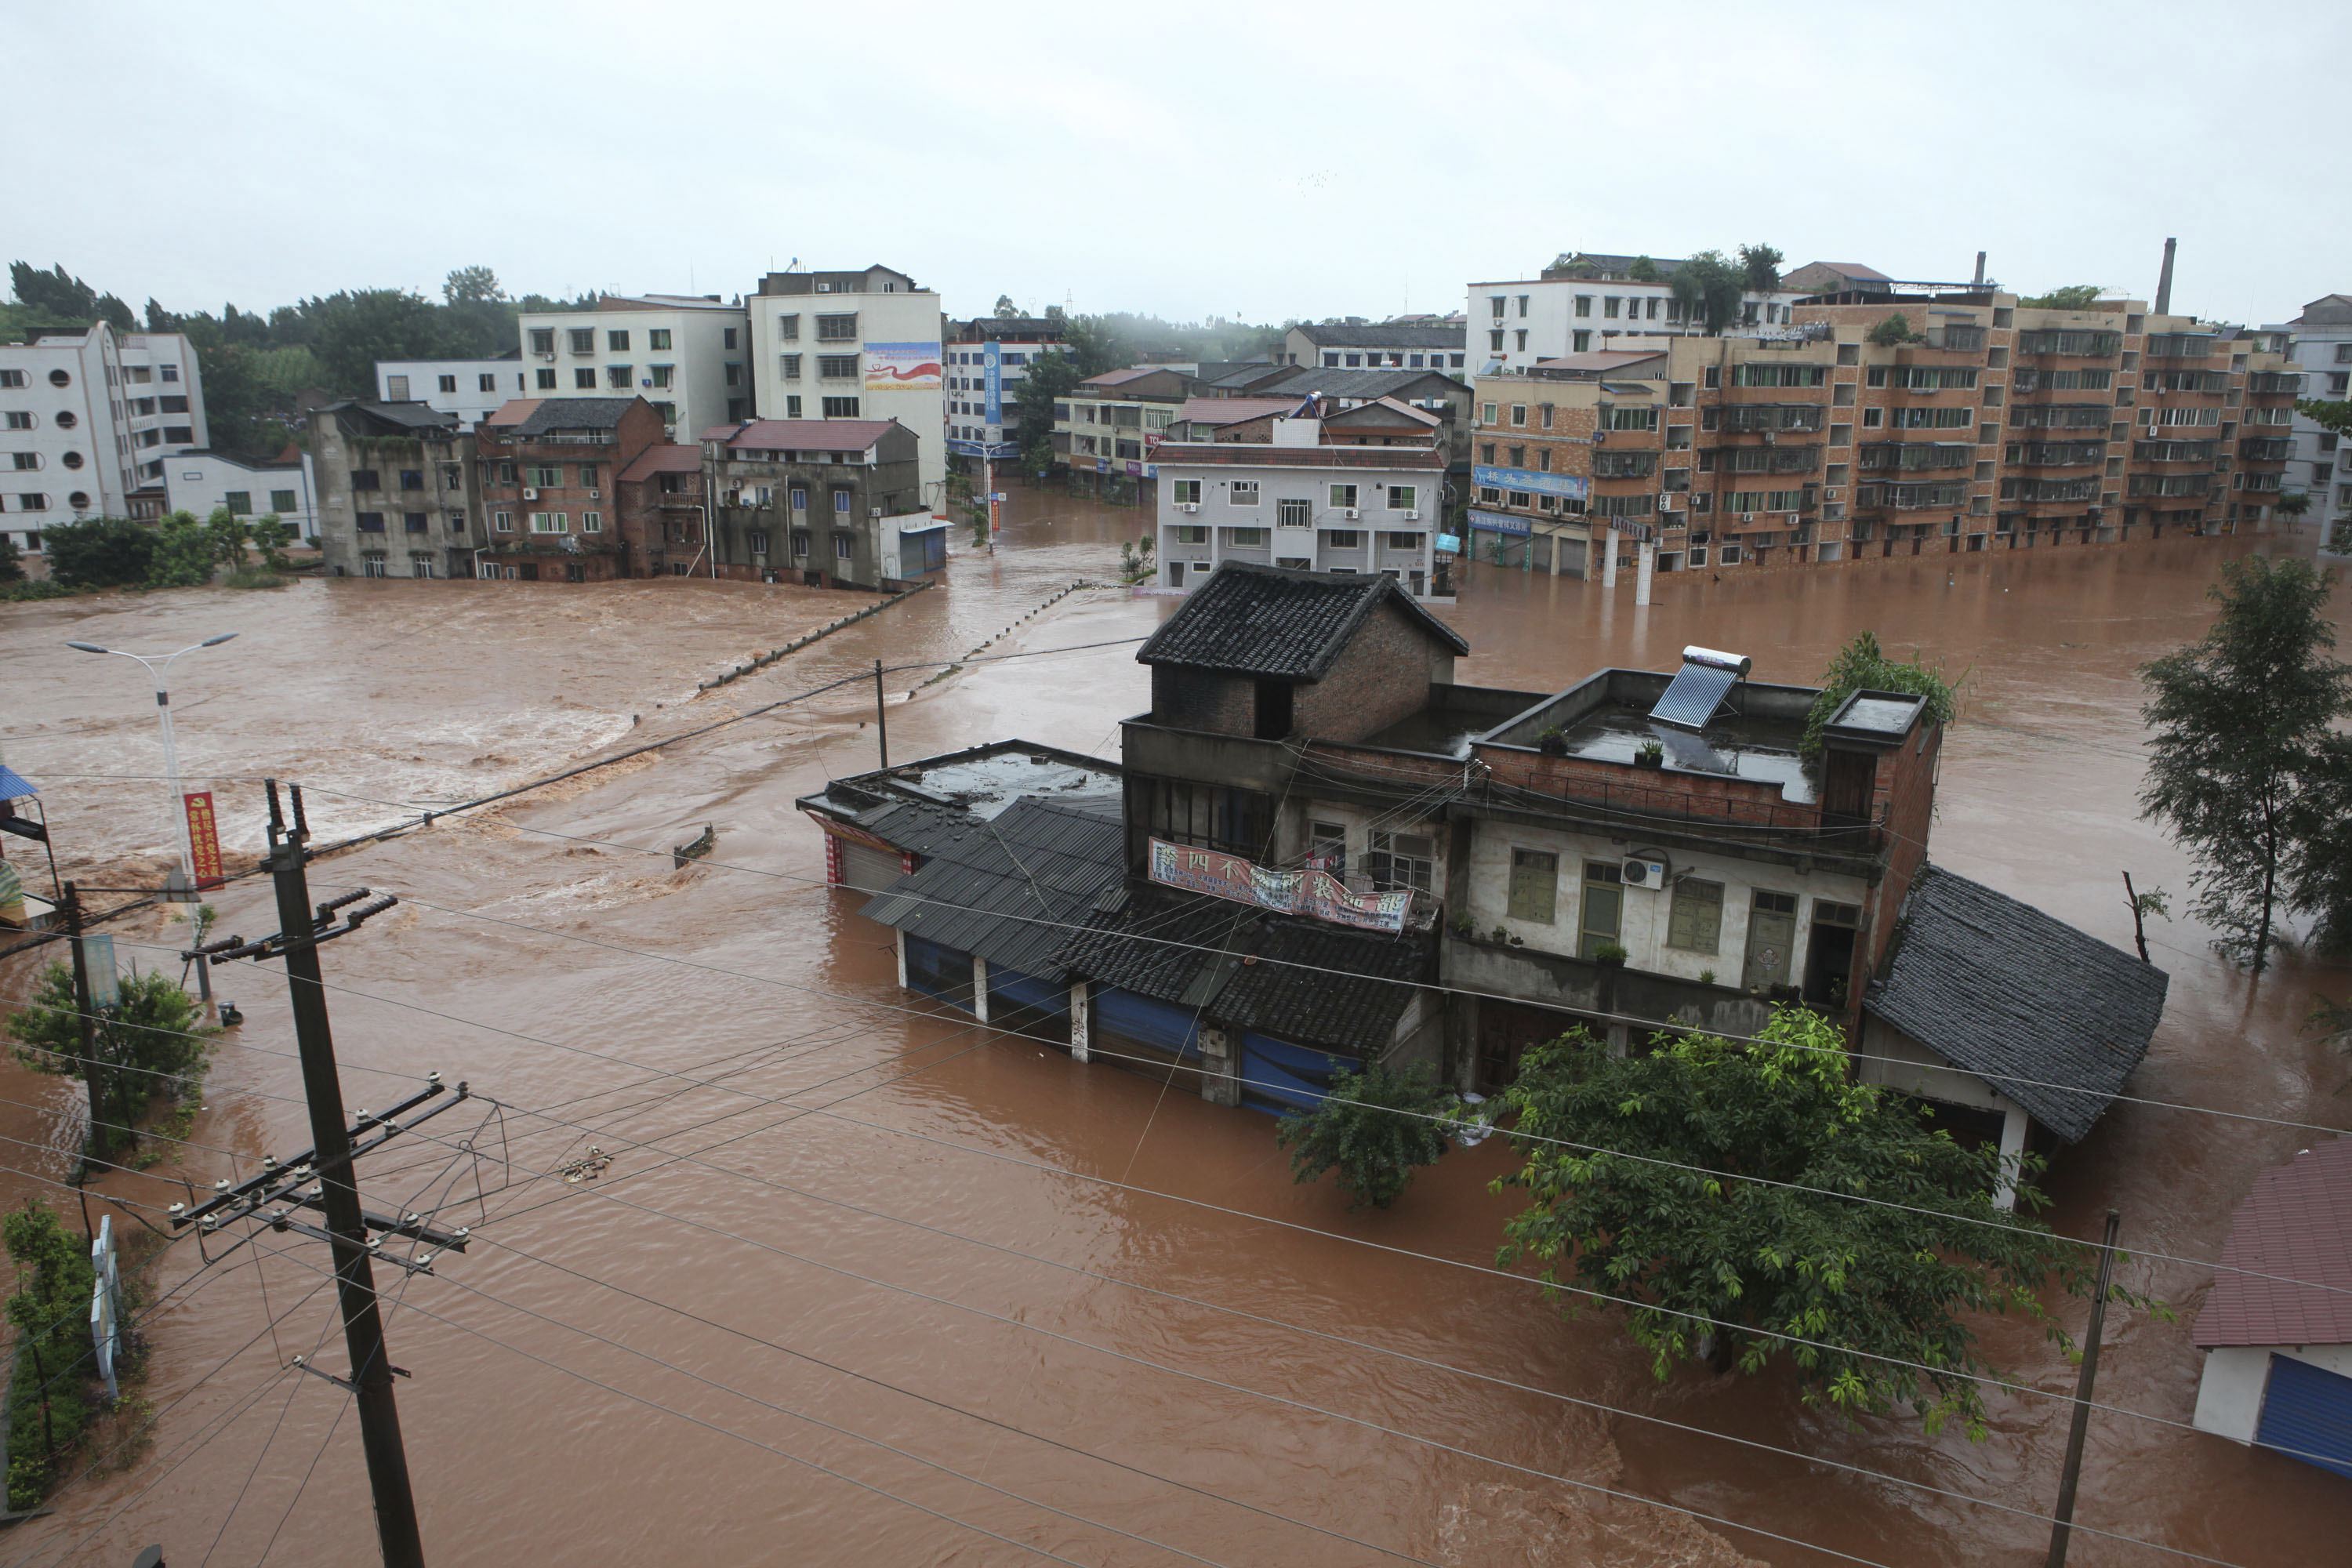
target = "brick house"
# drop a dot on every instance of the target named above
(549, 472)
(395, 491)
(829, 502)
(662, 513)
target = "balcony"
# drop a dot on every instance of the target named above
(1477, 962)
(2059, 454)
(2170, 486)
(1944, 497)
(2265, 449)
(2067, 343)
(1765, 460)
(2180, 345)
(2061, 417)
(2174, 451)
(1907, 457)
(1625, 465)
(2273, 383)
(2050, 492)
(1766, 418)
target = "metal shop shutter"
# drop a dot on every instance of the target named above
(1025, 1004)
(2307, 1410)
(869, 869)
(1123, 1022)
(940, 972)
(1278, 1076)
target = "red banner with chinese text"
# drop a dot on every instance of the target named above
(203, 840)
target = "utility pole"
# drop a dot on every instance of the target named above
(2063, 1516)
(881, 715)
(85, 1018)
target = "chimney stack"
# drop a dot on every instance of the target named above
(2164, 281)
(1979, 283)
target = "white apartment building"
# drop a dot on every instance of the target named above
(2320, 344)
(853, 345)
(199, 482)
(684, 353)
(1295, 501)
(998, 347)
(89, 418)
(472, 389)
(1585, 301)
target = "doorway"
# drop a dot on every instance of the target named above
(1772, 934)
(1829, 953)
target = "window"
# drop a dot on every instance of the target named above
(790, 366)
(1695, 922)
(1519, 413)
(1248, 538)
(1327, 847)
(584, 378)
(395, 388)
(12, 378)
(1522, 336)
(32, 500)
(844, 546)
(841, 503)
(448, 383)
(542, 340)
(1497, 301)
(371, 565)
(1486, 415)
(1343, 496)
(415, 521)
(840, 407)
(592, 522)
(18, 420)
(1191, 534)
(1403, 498)
(542, 476)
(1495, 341)
(412, 479)
(800, 541)
(1293, 513)
(502, 522)
(1543, 412)
(546, 379)
(588, 476)
(835, 329)
(239, 503)
(583, 339)
(1402, 541)
(1185, 492)
(1604, 905)
(1355, 361)
(1535, 885)
(550, 522)
(1243, 492)
(793, 405)
(758, 539)
(1608, 307)
(281, 501)
(836, 367)
(365, 480)
(371, 521)
(1401, 860)
(616, 376)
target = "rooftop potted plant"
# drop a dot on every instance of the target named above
(1650, 753)
(1611, 953)
(1551, 741)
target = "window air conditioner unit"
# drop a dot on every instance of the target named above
(595, 495)
(1640, 873)
(1190, 506)
(530, 495)
(1748, 517)
(1412, 514)
(874, 512)
(1665, 500)
(1832, 493)
(1353, 514)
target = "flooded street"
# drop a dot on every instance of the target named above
(951, 1267)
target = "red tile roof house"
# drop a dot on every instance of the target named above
(2276, 1329)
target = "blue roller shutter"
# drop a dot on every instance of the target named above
(1025, 1004)
(1124, 1023)
(2307, 1411)
(940, 972)
(1278, 1076)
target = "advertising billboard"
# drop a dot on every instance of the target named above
(902, 367)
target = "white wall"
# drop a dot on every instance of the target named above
(966, 391)
(106, 432)
(2229, 1393)
(901, 316)
(1550, 322)
(197, 482)
(1220, 516)
(479, 386)
(697, 355)
(2316, 351)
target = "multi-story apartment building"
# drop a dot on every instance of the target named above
(834, 503)
(1971, 422)
(199, 482)
(987, 360)
(1367, 345)
(1109, 422)
(663, 515)
(469, 389)
(1309, 493)
(2320, 344)
(686, 355)
(1588, 300)
(549, 470)
(87, 419)
(395, 488)
(861, 345)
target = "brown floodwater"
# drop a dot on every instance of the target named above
(871, 1183)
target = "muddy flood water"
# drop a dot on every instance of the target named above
(1013, 1306)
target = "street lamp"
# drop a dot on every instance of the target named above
(156, 664)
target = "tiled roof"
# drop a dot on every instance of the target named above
(402, 416)
(1264, 620)
(1122, 377)
(1234, 410)
(1600, 359)
(1384, 335)
(1342, 991)
(664, 458)
(1852, 269)
(1010, 890)
(803, 435)
(537, 415)
(1364, 383)
(1406, 413)
(2020, 999)
(1264, 455)
(1157, 943)
(1246, 375)
(2296, 1223)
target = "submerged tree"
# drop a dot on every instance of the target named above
(1375, 1128)
(1874, 1304)
(2243, 754)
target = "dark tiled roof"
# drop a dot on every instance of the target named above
(537, 415)
(664, 458)
(1366, 383)
(1010, 890)
(803, 435)
(1263, 620)
(1157, 943)
(1342, 992)
(1247, 375)
(2296, 1223)
(1384, 335)
(398, 416)
(1998, 989)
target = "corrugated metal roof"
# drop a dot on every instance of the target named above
(2019, 998)
(14, 785)
(1010, 890)
(2296, 1223)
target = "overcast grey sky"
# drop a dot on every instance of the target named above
(1262, 161)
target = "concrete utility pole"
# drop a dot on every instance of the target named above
(86, 1016)
(2063, 1516)
(881, 714)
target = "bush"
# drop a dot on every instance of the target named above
(1358, 1130)
(256, 577)
(12, 564)
(1862, 666)
(48, 1402)
(28, 593)
(154, 1028)
(103, 552)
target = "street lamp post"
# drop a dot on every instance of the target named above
(157, 665)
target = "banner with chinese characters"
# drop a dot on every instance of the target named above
(902, 367)
(1313, 892)
(203, 840)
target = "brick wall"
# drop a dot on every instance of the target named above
(1380, 677)
(1184, 698)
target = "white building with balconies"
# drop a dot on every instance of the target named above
(684, 353)
(89, 417)
(2320, 344)
(853, 345)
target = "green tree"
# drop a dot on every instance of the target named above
(2243, 749)
(48, 1396)
(2073, 297)
(1374, 1129)
(472, 286)
(1005, 308)
(2334, 417)
(228, 535)
(355, 329)
(153, 1030)
(2294, 504)
(270, 535)
(1709, 286)
(1894, 332)
(103, 552)
(1862, 666)
(1052, 375)
(184, 553)
(1759, 267)
(1718, 1268)
(1643, 270)
(12, 562)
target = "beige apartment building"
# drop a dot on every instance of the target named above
(1880, 425)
